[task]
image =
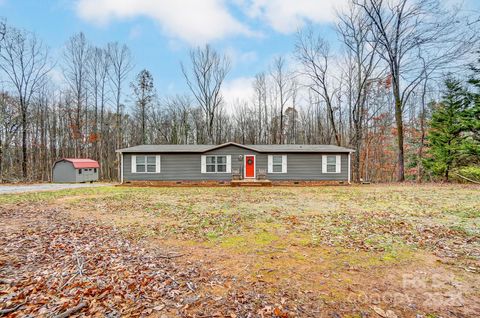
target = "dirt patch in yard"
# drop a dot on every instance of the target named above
(349, 283)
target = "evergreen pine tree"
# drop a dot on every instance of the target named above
(474, 112)
(447, 126)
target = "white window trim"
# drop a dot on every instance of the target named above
(338, 164)
(284, 164)
(254, 166)
(158, 164)
(228, 164)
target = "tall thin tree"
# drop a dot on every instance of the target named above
(121, 64)
(144, 92)
(208, 71)
(24, 61)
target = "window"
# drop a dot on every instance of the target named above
(95, 170)
(331, 163)
(140, 163)
(145, 164)
(216, 164)
(277, 164)
(79, 171)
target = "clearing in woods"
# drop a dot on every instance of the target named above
(376, 251)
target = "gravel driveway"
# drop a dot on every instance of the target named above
(5, 189)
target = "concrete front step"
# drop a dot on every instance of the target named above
(251, 183)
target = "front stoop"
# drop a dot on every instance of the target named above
(251, 183)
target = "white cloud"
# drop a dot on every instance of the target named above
(194, 21)
(237, 89)
(238, 57)
(286, 16)
(135, 32)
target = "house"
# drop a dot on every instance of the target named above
(225, 163)
(75, 170)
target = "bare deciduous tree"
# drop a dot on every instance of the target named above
(144, 92)
(98, 65)
(120, 60)
(362, 61)
(403, 30)
(282, 79)
(3, 31)
(205, 80)
(75, 72)
(24, 61)
(313, 52)
(260, 98)
(9, 125)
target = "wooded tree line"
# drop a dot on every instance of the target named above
(375, 93)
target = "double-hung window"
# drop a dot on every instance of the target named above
(331, 164)
(277, 164)
(146, 164)
(216, 164)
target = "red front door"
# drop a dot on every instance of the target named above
(249, 166)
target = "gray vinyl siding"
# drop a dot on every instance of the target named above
(64, 171)
(308, 166)
(87, 175)
(187, 166)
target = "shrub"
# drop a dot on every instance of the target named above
(470, 172)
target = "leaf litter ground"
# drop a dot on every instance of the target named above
(392, 251)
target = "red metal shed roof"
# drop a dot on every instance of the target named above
(82, 163)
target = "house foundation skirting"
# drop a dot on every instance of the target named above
(216, 183)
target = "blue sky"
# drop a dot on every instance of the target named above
(161, 32)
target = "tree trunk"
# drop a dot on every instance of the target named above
(1, 159)
(24, 144)
(399, 121)
(358, 141)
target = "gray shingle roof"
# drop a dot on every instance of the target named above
(167, 148)
(257, 148)
(299, 148)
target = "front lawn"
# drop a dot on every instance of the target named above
(302, 251)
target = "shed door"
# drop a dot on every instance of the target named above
(249, 166)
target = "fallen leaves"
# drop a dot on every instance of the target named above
(57, 267)
(383, 313)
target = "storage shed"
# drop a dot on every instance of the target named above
(75, 170)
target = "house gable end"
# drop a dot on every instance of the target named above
(231, 144)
